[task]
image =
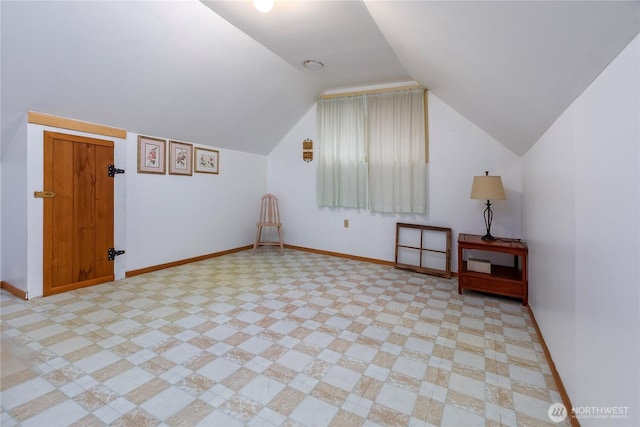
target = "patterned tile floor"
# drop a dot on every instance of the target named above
(272, 338)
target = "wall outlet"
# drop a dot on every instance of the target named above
(346, 223)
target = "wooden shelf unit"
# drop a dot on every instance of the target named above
(503, 280)
(422, 249)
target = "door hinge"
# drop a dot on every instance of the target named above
(112, 254)
(112, 171)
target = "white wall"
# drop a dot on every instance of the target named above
(581, 210)
(158, 219)
(13, 229)
(458, 151)
(173, 217)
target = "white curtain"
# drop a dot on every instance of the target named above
(397, 166)
(341, 178)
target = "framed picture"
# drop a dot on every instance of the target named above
(151, 155)
(206, 161)
(180, 158)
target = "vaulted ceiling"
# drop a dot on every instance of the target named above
(221, 73)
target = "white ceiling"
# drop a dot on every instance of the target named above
(229, 76)
(341, 34)
(511, 67)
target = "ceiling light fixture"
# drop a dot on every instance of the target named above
(263, 6)
(312, 64)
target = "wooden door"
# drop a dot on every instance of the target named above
(78, 220)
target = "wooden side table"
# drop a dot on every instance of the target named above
(503, 280)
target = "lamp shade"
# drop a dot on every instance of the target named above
(487, 188)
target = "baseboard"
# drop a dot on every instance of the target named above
(184, 261)
(340, 255)
(348, 256)
(23, 295)
(556, 376)
(14, 291)
(244, 248)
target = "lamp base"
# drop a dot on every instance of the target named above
(488, 218)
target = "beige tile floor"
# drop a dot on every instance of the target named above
(272, 338)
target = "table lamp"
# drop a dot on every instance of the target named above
(488, 188)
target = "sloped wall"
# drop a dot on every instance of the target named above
(581, 209)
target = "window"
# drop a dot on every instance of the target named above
(372, 152)
(342, 168)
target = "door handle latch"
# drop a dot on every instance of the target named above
(44, 194)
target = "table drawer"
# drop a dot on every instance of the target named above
(491, 284)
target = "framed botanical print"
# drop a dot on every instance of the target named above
(206, 161)
(180, 158)
(151, 155)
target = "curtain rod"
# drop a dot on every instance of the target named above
(371, 91)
